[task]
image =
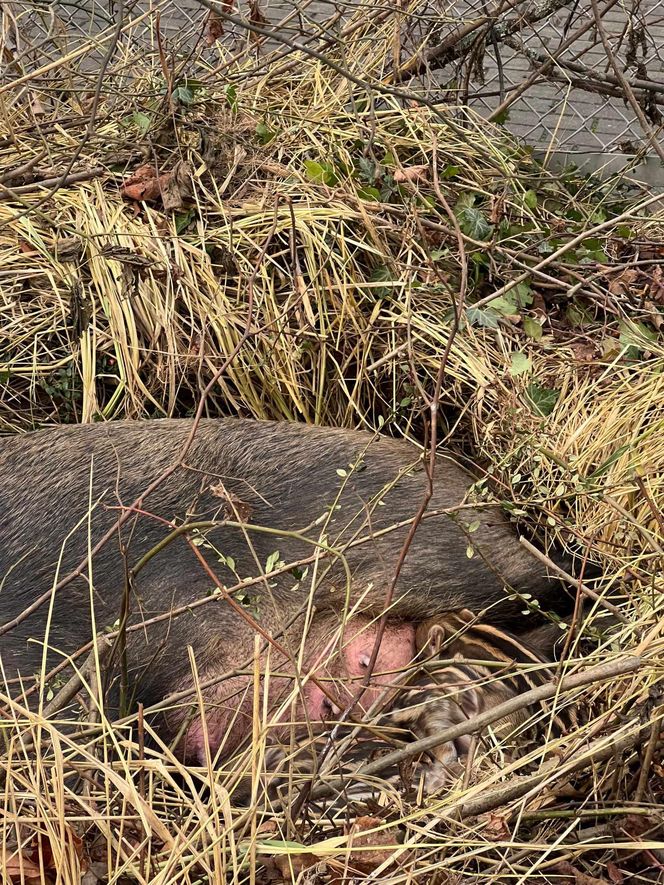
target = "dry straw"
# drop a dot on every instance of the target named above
(109, 308)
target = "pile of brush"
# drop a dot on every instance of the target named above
(342, 249)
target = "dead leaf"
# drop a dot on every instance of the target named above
(142, 185)
(214, 29)
(20, 869)
(584, 351)
(497, 210)
(290, 866)
(496, 828)
(256, 17)
(578, 877)
(614, 874)
(621, 283)
(176, 187)
(173, 187)
(657, 285)
(380, 844)
(234, 508)
(37, 105)
(411, 174)
(655, 316)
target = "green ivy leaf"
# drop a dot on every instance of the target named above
(183, 220)
(471, 220)
(143, 121)
(543, 399)
(184, 95)
(476, 316)
(530, 199)
(320, 172)
(521, 364)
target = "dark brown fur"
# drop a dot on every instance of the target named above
(288, 478)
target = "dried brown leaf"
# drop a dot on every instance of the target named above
(234, 508)
(381, 844)
(142, 185)
(214, 29)
(411, 174)
(614, 873)
(176, 187)
(564, 868)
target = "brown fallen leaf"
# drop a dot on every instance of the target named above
(176, 187)
(496, 828)
(657, 285)
(19, 869)
(620, 284)
(142, 185)
(577, 876)
(614, 873)
(214, 29)
(411, 174)
(234, 508)
(290, 866)
(256, 15)
(381, 844)
(584, 351)
(497, 210)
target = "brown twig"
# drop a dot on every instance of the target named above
(628, 93)
(578, 585)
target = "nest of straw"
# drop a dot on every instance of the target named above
(338, 241)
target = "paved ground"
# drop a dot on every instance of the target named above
(575, 123)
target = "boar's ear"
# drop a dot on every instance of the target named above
(467, 616)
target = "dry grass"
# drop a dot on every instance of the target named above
(557, 389)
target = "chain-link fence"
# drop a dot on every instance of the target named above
(578, 80)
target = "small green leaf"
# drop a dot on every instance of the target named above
(523, 294)
(521, 364)
(502, 117)
(543, 399)
(505, 304)
(315, 172)
(271, 562)
(142, 121)
(471, 220)
(530, 199)
(369, 193)
(488, 319)
(183, 220)
(184, 95)
(264, 133)
(320, 172)
(367, 169)
(231, 96)
(532, 328)
(474, 224)
(636, 335)
(469, 552)
(341, 472)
